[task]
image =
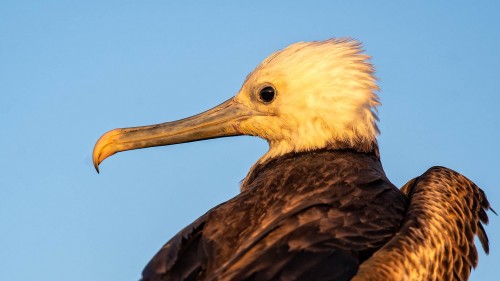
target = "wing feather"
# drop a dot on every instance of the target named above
(436, 240)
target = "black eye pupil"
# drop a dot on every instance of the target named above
(267, 94)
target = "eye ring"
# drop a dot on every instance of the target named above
(267, 94)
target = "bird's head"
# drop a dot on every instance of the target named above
(309, 96)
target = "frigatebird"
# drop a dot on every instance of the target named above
(317, 205)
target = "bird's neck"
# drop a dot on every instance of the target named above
(371, 151)
(279, 149)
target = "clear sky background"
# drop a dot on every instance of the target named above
(72, 70)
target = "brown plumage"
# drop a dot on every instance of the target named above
(317, 205)
(296, 219)
(436, 238)
(324, 214)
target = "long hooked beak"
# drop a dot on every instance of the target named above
(220, 121)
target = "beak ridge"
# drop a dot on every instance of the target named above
(220, 121)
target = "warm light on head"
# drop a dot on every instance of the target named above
(325, 97)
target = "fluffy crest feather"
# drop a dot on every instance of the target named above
(325, 98)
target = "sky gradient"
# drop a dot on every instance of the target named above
(70, 71)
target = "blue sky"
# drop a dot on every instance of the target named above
(72, 70)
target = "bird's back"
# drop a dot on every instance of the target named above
(307, 216)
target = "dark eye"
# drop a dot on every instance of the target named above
(267, 94)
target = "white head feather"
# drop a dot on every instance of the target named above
(325, 98)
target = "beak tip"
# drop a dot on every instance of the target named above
(96, 166)
(95, 160)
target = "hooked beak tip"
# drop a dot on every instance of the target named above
(96, 166)
(96, 162)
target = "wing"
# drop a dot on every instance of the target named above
(436, 239)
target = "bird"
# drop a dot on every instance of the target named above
(318, 204)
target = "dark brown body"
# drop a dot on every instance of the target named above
(308, 216)
(332, 215)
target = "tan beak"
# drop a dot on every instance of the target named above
(220, 121)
